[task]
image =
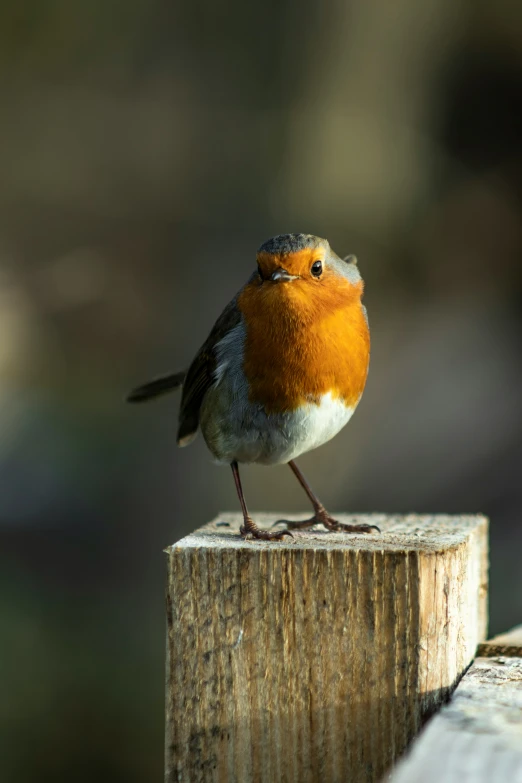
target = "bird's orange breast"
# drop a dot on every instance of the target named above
(304, 339)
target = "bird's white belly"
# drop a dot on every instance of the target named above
(244, 432)
(305, 429)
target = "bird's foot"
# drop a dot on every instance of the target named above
(322, 517)
(249, 529)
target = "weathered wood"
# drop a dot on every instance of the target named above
(478, 737)
(316, 658)
(507, 644)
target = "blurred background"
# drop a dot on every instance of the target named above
(146, 150)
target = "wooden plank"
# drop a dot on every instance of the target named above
(316, 658)
(477, 738)
(506, 644)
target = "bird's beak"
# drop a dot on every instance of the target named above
(282, 276)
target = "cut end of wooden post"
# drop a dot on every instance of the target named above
(316, 658)
(398, 533)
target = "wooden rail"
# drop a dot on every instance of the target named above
(477, 738)
(316, 659)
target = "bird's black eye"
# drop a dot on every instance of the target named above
(317, 268)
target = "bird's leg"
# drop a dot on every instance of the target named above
(249, 528)
(321, 515)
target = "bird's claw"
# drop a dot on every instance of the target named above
(296, 524)
(249, 530)
(322, 518)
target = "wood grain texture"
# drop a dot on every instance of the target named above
(477, 738)
(316, 658)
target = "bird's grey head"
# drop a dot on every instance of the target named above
(281, 250)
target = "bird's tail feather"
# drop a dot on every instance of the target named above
(157, 387)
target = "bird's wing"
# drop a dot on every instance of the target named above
(201, 374)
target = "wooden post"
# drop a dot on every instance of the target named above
(317, 658)
(477, 738)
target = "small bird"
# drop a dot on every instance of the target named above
(282, 370)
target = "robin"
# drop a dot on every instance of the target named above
(282, 370)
